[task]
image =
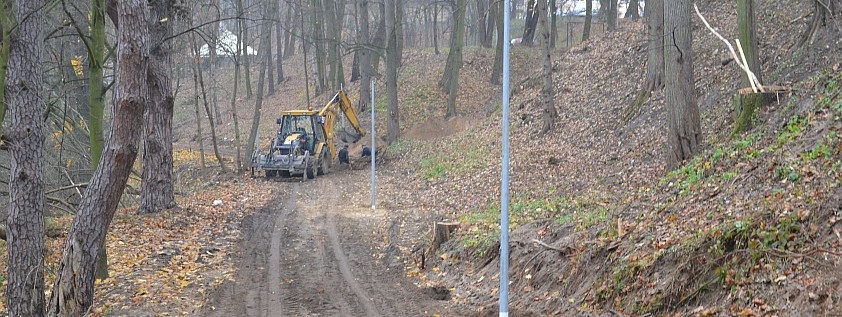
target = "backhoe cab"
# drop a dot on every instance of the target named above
(305, 143)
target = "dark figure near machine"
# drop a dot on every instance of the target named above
(366, 152)
(343, 155)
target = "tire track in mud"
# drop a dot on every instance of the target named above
(342, 259)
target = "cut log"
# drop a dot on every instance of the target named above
(441, 233)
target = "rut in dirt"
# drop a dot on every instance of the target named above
(311, 252)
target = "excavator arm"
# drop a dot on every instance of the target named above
(340, 102)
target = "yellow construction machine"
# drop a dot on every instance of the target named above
(305, 143)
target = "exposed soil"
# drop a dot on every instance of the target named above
(319, 250)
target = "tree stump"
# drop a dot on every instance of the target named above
(441, 233)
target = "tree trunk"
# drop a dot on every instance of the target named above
(25, 97)
(393, 130)
(244, 39)
(213, 42)
(270, 77)
(483, 20)
(199, 133)
(747, 104)
(498, 51)
(554, 26)
(320, 52)
(6, 26)
(586, 31)
(530, 24)
(436, 28)
(279, 43)
(363, 50)
(491, 23)
(289, 45)
(258, 106)
(824, 12)
(235, 117)
(655, 59)
(73, 291)
(684, 135)
(633, 11)
(207, 106)
(612, 15)
(399, 43)
(547, 93)
(96, 103)
(602, 13)
(454, 58)
(157, 177)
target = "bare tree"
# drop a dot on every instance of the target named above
(547, 93)
(586, 31)
(74, 286)
(825, 13)
(393, 130)
(25, 135)
(255, 123)
(211, 122)
(363, 50)
(530, 24)
(454, 58)
(684, 135)
(498, 52)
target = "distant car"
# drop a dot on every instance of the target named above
(517, 40)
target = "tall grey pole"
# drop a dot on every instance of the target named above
(504, 200)
(373, 148)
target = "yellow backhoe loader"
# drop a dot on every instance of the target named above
(305, 143)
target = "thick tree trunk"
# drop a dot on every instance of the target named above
(6, 26)
(393, 129)
(73, 291)
(547, 93)
(747, 104)
(157, 177)
(586, 31)
(235, 117)
(399, 20)
(289, 44)
(491, 23)
(25, 96)
(684, 135)
(455, 57)
(319, 52)
(655, 59)
(498, 51)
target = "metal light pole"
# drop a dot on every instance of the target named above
(373, 149)
(504, 201)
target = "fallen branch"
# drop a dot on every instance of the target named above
(565, 250)
(756, 86)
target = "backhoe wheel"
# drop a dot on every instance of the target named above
(310, 172)
(270, 173)
(324, 164)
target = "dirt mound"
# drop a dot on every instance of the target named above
(437, 128)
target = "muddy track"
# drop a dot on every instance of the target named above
(314, 251)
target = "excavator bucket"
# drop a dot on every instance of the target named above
(347, 136)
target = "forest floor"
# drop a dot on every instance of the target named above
(750, 227)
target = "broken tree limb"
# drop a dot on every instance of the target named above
(740, 62)
(563, 250)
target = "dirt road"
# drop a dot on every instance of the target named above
(319, 250)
